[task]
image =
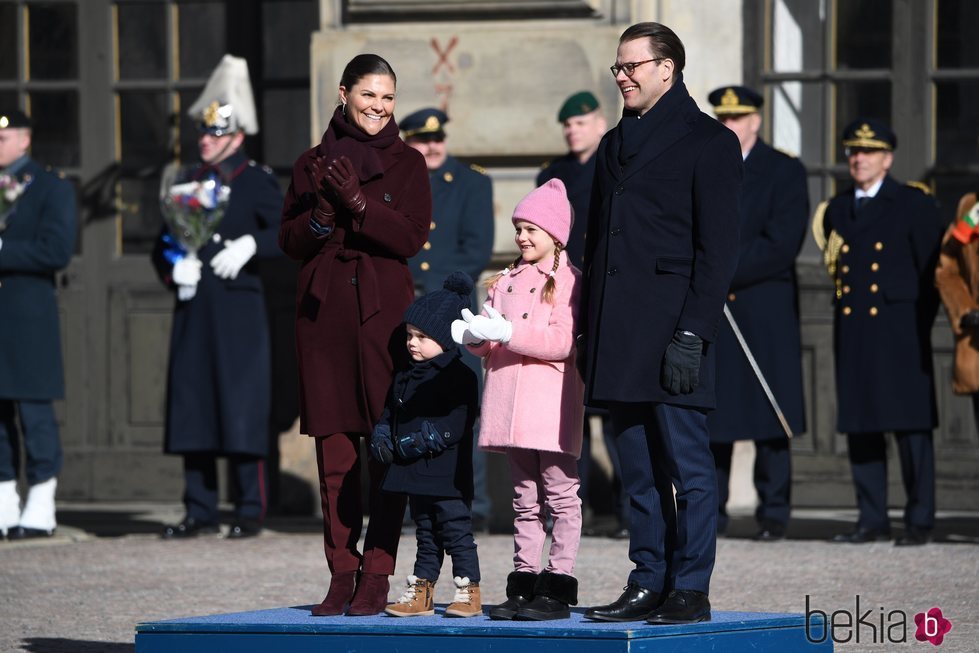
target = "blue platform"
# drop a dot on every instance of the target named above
(293, 630)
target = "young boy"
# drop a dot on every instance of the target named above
(425, 435)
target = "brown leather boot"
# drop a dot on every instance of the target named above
(341, 590)
(467, 602)
(418, 599)
(371, 595)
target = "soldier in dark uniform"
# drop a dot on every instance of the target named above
(583, 125)
(460, 238)
(218, 392)
(881, 241)
(763, 299)
(37, 238)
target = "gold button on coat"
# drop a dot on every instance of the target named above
(731, 297)
(425, 266)
(845, 248)
(846, 289)
(878, 245)
(431, 227)
(846, 268)
(875, 266)
(874, 287)
(427, 246)
(873, 310)
(847, 310)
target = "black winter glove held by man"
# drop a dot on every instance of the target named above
(681, 364)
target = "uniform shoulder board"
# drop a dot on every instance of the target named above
(478, 168)
(58, 173)
(791, 155)
(920, 185)
(818, 232)
(255, 164)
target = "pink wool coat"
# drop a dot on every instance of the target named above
(533, 395)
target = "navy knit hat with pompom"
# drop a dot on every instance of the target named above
(434, 312)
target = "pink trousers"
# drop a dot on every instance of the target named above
(545, 478)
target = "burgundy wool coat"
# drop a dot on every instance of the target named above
(353, 288)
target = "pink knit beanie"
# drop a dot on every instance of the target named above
(547, 206)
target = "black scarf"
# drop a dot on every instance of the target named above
(633, 133)
(342, 138)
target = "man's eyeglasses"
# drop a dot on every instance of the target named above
(629, 67)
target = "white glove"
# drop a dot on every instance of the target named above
(186, 274)
(460, 330)
(228, 262)
(495, 327)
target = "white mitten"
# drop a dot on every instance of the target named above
(186, 274)
(228, 262)
(460, 330)
(492, 326)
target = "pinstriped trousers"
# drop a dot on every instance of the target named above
(662, 447)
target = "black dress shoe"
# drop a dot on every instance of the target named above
(189, 527)
(861, 536)
(244, 528)
(681, 607)
(771, 531)
(24, 533)
(634, 604)
(543, 608)
(914, 537)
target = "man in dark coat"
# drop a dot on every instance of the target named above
(659, 256)
(37, 238)
(881, 243)
(460, 238)
(218, 391)
(583, 125)
(763, 299)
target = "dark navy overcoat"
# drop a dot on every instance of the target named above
(764, 302)
(218, 387)
(661, 249)
(886, 304)
(38, 241)
(442, 390)
(460, 234)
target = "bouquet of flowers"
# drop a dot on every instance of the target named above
(193, 210)
(11, 189)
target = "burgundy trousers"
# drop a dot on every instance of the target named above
(339, 461)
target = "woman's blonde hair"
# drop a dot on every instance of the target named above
(547, 293)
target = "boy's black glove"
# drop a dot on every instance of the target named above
(382, 449)
(681, 364)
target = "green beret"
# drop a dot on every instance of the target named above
(578, 104)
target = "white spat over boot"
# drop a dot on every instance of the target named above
(9, 506)
(38, 512)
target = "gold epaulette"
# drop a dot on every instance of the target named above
(817, 224)
(478, 168)
(920, 185)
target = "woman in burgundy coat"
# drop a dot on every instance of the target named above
(359, 204)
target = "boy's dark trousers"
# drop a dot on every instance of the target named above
(444, 525)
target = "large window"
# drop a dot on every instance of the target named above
(823, 63)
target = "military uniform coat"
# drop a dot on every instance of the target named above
(577, 178)
(353, 288)
(661, 248)
(885, 306)
(763, 298)
(219, 381)
(443, 391)
(957, 278)
(39, 241)
(461, 231)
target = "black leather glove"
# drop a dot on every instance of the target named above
(343, 179)
(435, 442)
(581, 353)
(382, 449)
(324, 213)
(970, 320)
(411, 445)
(681, 364)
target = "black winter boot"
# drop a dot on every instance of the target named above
(553, 593)
(519, 592)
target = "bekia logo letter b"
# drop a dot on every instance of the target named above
(932, 626)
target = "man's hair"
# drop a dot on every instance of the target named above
(662, 40)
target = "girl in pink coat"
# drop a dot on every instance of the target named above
(532, 407)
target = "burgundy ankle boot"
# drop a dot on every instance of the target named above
(341, 592)
(371, 596)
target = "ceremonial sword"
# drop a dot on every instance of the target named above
(757, 371)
